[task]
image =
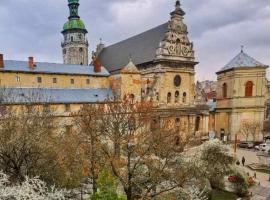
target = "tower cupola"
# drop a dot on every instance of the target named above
(75, 44)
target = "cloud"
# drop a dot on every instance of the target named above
(217, 28)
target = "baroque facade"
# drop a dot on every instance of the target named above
(157, 65)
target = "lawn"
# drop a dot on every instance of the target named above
(221, 195)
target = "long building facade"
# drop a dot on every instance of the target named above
(157, 65)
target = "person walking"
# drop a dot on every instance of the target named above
(255, 175)
(243, 161)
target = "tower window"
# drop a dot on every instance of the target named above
(39, 79)
(184, 97)
(81, 49)
(249, 89)
(169, 97)
(72, 81)
(224, 90)
(87, 81)
(54, 80)
(177, 94)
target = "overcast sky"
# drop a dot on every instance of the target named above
(217, 27)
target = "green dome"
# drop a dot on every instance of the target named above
(73, 1)
(74, 24)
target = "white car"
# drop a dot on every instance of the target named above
(263, 147)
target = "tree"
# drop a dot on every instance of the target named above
(106, 188)
(26, 141)
(141, 156)
(214, 162)
(250, 128)
(90, 133)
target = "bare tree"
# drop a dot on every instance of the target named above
(87, 126)
(26, 135)
(142, 157)
(250, 128)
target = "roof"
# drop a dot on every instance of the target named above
(242, 60)
(52, 68)
(74, 24)
(141, 47)
(130, 68)
(40, 95)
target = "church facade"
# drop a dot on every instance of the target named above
(157, 65)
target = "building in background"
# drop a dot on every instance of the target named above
(241, 95)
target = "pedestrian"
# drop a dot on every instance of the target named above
(243, 161)
(255, 175)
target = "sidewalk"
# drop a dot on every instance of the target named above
(251, 157)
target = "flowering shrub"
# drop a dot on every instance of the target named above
(29, 189)
(250, 181)
(232, 179)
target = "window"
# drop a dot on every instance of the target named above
(18, 79)
(46, 108)
(132, 98)
(177, 94)
(71, 38)
(54, 80)
(177, 122)
(81, 49)
(157, 96)
(39, 79)
(154, 125)
(177, 80)
(169, 97)
(177, 140)
(197, 123)
(249, 89)
(184, 97)
(132, 124)
(68, 129)
(87, 81)
(64, 51)
(67, 107)
(72, 81)
(224, 90)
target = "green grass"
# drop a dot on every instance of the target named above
(221, 195)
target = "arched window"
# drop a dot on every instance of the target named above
(169, 97)
(177, 94)
(184, 97)
(224, 90)
(249, 89)
(132, 98)
(197, 123)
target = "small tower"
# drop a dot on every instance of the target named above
(75, 44)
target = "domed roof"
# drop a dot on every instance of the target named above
(73, 1)
(74, 24)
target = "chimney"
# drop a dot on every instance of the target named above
(97, 66)
(31, 63)
(2, 65)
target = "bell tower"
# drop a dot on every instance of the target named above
(75, 44)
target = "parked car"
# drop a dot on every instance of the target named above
(263, 147)
(248, 145)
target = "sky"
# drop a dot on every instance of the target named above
(217, 28)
